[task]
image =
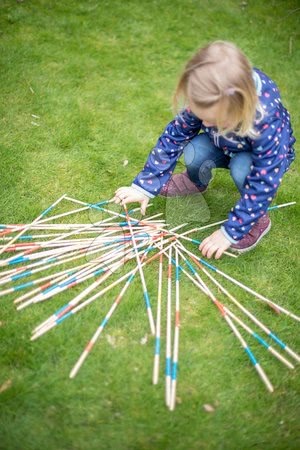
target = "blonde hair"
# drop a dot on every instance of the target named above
(220, 74)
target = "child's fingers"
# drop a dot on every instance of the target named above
(122, 195)
(117, 199)
(204, 243)
(205, 248)
(126, 200)
(219, 253)
(144, 204)
(126, 195)
(211, 250)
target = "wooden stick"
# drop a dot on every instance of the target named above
(43, 214)
(269, 333)
(246, 288)
(100, 329)
(259, 339)
(145, 291)
(169, 332)
(65, 312)
(158, 320)
(271, 208)
(247, 349)
(176, 336)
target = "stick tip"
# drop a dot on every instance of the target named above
(73, 373)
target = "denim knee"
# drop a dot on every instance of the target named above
(240, 167)
(200, 157)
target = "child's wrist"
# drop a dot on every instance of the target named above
(230, 239)
(142, 191)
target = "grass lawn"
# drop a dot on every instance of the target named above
(86, 85)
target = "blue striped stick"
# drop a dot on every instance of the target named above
(271, 208)
(49, 263)
(52, 262)
(7, 274)
(248, 329)
(63, 237)
(58, 239)
(57, 317)
(30, 237)
(23, 272)
(43, 221)
(243, 286)
(169, 332)
(155, 375)
(259, 339)
(145, 291)
(27, 227)
(176, 336)
(128, 218)
(88, 265)
(74, 280)
(32, 283)
(99, 330)
(54, 317)
(60, 286)
(58, 216)
(65, 309)
(256, 321)
(44, 254)
(247, 349)
(191, 268)
(158, 320)
(52, 278)
(63, 314)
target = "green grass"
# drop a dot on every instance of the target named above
(100, 76)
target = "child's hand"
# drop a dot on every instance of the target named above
(125, 195)
(215, 243)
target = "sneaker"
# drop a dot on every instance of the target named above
(251, 239)
(180, 185)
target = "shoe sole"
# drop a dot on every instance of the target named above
(247, 249)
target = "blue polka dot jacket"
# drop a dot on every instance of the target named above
(272, 152)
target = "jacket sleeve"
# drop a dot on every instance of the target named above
(270, 153)
(163, 158)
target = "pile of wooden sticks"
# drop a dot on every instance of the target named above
(47, 257)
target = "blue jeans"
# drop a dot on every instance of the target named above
(201, 156)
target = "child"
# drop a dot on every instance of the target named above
(243, 127)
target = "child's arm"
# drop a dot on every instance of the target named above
(161, 160)
(272, 153)
(270, 162)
